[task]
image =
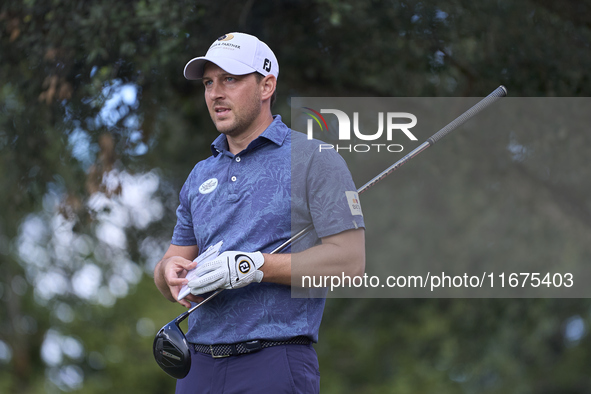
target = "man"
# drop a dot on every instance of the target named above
(243, 195)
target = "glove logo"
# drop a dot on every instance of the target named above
(244, 265)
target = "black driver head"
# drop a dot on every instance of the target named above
(171, 350)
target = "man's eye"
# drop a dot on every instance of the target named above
(230, 79)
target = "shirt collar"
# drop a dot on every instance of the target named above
(275, 133)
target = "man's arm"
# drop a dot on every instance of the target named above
(338, 254)
(170, 272)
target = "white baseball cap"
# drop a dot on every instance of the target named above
(238, 54)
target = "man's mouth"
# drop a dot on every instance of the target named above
(221, 111)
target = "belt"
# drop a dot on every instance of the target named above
(234, 349)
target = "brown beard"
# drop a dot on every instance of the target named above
(243, 120)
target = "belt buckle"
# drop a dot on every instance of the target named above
(214, 356)
(253, 346)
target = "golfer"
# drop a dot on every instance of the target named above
(261, 180)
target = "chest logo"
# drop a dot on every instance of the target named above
(208, 186)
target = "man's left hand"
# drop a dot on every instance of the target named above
(230, 270)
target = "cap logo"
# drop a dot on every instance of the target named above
(226, 37)
(267, 65)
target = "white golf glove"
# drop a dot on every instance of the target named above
(230, 270)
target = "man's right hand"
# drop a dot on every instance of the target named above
(170, 273)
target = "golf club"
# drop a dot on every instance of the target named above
(171, 349)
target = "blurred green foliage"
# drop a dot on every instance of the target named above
(94, 109)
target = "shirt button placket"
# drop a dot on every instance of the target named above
(237, 158)
(233, 196)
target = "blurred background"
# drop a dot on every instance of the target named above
(99, 129)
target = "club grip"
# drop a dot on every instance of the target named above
(499, 92)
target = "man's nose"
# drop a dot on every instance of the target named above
(216, 91)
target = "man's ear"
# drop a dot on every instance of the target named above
(268, 86)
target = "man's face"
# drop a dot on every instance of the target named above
(233, 101)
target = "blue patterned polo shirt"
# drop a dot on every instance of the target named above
(246, 201)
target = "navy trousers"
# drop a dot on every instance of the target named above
(286, 369)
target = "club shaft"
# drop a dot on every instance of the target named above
(499, 92)
(187, 313)
(457, 122)
(394, 167)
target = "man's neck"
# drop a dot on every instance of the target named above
(238, 143)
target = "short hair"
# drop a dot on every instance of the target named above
(260, 77)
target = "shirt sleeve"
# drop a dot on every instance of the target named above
(184, 234)
(332, 196)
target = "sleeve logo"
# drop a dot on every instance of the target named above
(354, 205)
